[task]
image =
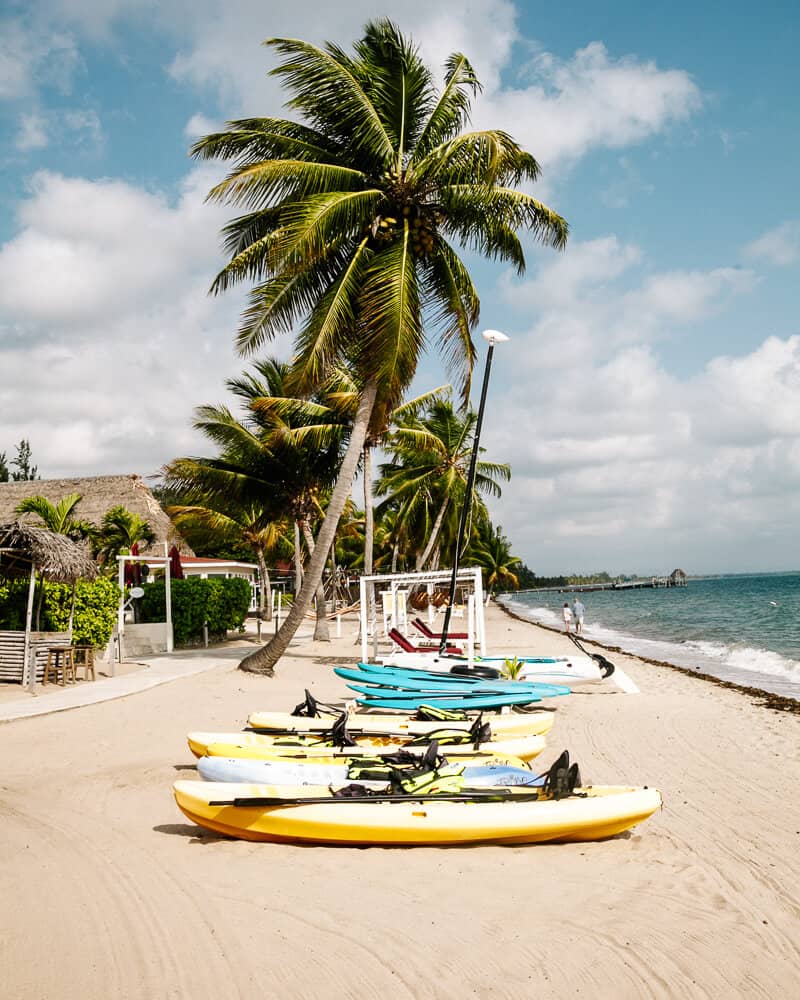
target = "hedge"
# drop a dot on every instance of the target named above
(95, 615)
(220, 602)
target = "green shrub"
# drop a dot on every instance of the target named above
(222, 603)
(95, 608)
(13, 602)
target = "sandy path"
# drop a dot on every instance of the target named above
(108, 892)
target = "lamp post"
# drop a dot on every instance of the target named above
(493, 337)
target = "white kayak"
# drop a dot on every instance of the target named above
(567, 670)
(267, 772)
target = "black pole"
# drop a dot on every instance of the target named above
(467, 500)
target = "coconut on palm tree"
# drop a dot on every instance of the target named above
(351, 219)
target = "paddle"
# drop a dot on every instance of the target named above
(476, 795)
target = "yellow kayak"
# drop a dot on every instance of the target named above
(259, 745)
(529, 724)
(277, 813)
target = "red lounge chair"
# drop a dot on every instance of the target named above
(420, 626)
(399, 639)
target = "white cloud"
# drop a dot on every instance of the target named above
(612, 455)
(32, 132)
(33, 56)
(200, 124)
(780, 246)
(109, 338)
(590, 101)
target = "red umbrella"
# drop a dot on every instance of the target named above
(175, 568)
(133, 573)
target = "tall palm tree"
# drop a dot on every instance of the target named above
(350, 219)
(57, 517)
(426, 478)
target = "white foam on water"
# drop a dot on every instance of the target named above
(747, 665)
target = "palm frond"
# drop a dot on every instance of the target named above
(327, 91)
(451, 111)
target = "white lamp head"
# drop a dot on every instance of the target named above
(494, 337)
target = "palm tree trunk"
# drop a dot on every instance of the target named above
(437, 526)
(298, 561)
(322, 631)
(265, 590)
(263, 660)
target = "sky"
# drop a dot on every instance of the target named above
(648, 400)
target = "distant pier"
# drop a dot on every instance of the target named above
(677, 578)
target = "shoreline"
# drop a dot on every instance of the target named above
(777, 702)
(699, 901)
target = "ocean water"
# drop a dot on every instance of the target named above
(743, 628)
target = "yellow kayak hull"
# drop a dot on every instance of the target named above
(529, 724)
(600, 812)
(259, 745)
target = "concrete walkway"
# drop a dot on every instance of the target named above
(161, 669)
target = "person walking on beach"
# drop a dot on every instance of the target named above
(578, 611)
(566, 614)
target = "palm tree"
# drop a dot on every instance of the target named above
(59, 517)
(272, 462)
(492, 552)
(348, 228)
(120, 530)
(427, 475)
(242, 525)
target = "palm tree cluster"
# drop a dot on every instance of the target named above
(267, 490)
(351, 221)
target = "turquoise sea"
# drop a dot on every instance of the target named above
(742, 628)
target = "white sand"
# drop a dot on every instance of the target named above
(108, 892)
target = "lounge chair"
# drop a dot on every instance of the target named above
(400, 640)
(422, 627)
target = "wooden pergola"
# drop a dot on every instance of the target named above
(26, 550)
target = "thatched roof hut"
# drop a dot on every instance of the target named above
(24, 547)
(98, 495)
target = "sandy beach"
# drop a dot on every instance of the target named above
(108, 892)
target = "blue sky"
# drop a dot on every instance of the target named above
(649, 400)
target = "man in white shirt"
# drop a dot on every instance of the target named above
(578, 611)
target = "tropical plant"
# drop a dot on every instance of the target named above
(272, 462)
(426, 477)
(492, 552)
(348, 228)
(57, 517)
(120, 530)
(511, 668)
(245, 525)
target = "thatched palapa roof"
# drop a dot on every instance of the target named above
(98, 495)
(23, 546)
